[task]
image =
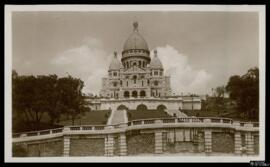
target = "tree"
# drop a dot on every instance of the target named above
(245, 91)
(219, 104)
(26, 99)
(32, 97)
(71, 97)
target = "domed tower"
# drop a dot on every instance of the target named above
(135, 51)
(115, 66)
(156, 66)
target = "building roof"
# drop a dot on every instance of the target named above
(135, 40)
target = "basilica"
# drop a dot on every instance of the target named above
(136, 75)
(134, 78)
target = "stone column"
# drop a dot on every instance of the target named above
(123, 144)
(249, 142)
(237, 143)
(208, 141)
(109, 141)
(158, 142)
(200, 141)
(66, 147)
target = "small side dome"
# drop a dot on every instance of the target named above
(155, 62)
(115, 63)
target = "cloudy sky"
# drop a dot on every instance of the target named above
(199, 50)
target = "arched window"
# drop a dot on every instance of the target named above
(135, 78)
(140, 63)
(142, 93)
(161, 107)
(126, 94)
(134, 94)
(122, 107)
(141, 107)
(156, 83)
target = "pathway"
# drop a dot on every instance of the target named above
(118, 117)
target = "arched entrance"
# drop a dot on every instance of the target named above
(161, 107)
(122, 107)
(142, 93)
(141, 107)
(134, 94)
(126, 94)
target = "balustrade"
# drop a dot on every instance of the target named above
(149, 121)
(87, 128)
(75, 128)
(168, 120)
(57, 130)
(32, 134)
(44, 132)
(99, 127)
(157, 121)
(137, 122)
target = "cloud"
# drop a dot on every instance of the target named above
(90, 62)
(183, 77)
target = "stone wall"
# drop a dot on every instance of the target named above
(256, 144)
(48, 149)
(222, 142)
(140, 143)
(87, 147)
(179, 147)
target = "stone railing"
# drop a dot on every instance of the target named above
(138, 124)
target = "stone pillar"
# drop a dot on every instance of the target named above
(208, 141)
(158, 142)
(123, 144)
(199, 141)
(66, 146)
(237, 143)
(249, 142)
(109, 141)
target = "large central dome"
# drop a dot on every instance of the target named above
(135, 40)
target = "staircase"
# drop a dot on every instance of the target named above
(118, 117)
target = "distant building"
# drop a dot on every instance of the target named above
(137, 79)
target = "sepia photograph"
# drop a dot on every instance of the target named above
(134, 83)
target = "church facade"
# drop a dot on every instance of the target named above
(136, 79)
(136, 75)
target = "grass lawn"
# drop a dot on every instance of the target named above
(89, 118)
(146, 114)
